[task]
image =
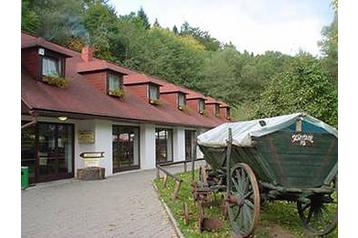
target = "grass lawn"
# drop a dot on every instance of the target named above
(275, 218)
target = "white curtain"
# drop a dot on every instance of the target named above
(153, 92)
(113, 82)
(50, 67)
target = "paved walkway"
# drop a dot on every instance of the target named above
(124, 205)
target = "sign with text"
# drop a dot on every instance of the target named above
(86, 137)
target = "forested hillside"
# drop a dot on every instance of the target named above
(254, 85)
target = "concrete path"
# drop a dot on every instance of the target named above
(124, 205)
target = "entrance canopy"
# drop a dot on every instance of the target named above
(242, 132)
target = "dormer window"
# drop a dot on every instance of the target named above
(52, 68)
(201, 106)
(153, 93)
(228, 113)
(114, 84)
(181, 101)
(217, 110)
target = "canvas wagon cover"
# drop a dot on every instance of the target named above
(242, 132)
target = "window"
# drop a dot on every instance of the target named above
(228, 113)
(52, 66)
(114, 82)
(201, 106)
(153, 92)
(181, 100)
(163, 145)
(217, 110)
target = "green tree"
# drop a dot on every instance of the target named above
(305, 86)
(175, 30)
(143, 16)
(329, 48)
(30, 20)
(203, 37)
(156, 23)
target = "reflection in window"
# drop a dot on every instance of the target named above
(125, 145)
(163, 145)
(153, 92)
(201, 105)
(114, 82)
(181, 100)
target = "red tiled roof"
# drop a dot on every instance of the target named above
(83, 98)
(139, 78)
(96, 65)
(210, 100)
(172, 88)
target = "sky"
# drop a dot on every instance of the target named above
(253, 25)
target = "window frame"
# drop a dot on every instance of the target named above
(120, 78)
(203, 103)
(217, 110)
(169, 137)
(149, 92)
(60, 60)
(178, 98)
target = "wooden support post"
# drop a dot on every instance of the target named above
(158, 174)
(228, 169)
(185, 166)
(193, 156)
(176, 190)
(165, 180)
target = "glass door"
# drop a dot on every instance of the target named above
(28, 150)
(163, 145)
(125, 148)
(55, 151)
(189, 141)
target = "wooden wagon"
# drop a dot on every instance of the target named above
(291, 157)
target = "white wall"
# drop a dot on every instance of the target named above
(104, 143)
(147, 146)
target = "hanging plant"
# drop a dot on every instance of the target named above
(117, 92)
(155, 101)
(57, 81)
(184, 108)
(204, 113)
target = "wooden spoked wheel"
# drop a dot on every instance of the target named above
(320, 216)
(203, 175)
(243, 201)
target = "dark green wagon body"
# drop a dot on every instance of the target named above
(278, 161)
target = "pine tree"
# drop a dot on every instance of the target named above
(143, 16)
(156, 23)
(175, 30)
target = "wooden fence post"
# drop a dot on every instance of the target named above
(176, 190)
(165, 180)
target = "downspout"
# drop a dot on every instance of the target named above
(34, 120)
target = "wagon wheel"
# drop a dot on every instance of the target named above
(244, 201)
(320, 216)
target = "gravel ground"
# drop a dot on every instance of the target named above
(123, 205)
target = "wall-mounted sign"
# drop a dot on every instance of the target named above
(92, 155)
(302, 139)
(86, 137)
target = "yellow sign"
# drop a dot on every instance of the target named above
(86, 137)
